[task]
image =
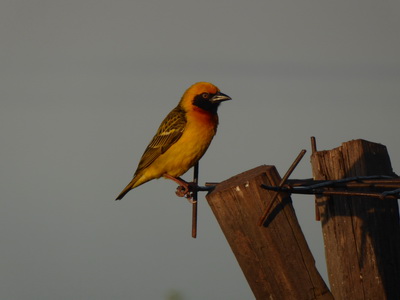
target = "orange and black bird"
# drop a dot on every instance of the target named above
(182, 138)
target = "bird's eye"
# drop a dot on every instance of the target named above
(205, 95)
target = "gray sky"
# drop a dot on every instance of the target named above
(84, 86)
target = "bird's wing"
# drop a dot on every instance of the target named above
(168, 133)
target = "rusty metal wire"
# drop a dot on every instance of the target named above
(283, 181)
(343, 187)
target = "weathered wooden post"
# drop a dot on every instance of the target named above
(275, 258)
(361, 235)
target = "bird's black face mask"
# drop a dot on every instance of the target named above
(210, 102)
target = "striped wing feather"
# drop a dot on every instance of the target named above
(168, 133)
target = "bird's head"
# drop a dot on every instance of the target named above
(203, 95)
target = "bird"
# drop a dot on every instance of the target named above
(182, 138)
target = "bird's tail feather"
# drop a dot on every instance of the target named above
(131, 185)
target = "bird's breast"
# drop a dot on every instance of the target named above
(191, 146)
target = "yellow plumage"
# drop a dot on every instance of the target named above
(182, 138)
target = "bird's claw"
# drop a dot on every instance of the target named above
(187, 191)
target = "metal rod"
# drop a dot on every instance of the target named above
(322, 192)
(345, 193)
(344, 180)
(314, 151)
(194, 205)
(298, 183)
(288, 173)
(387, 193)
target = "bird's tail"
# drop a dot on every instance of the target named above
(131, 185)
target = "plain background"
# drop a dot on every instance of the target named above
(84, 86)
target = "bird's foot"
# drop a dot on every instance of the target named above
(186, 190)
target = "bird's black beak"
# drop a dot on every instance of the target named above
(220, 97)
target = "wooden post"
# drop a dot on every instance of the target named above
(274, 258)
(361, 235)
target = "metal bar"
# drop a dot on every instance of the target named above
(380, 180)
(387, 193)
(194, 204)
(288, 173)
(313, 151)
(208, 188)
(331, 193)
(344, 180)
